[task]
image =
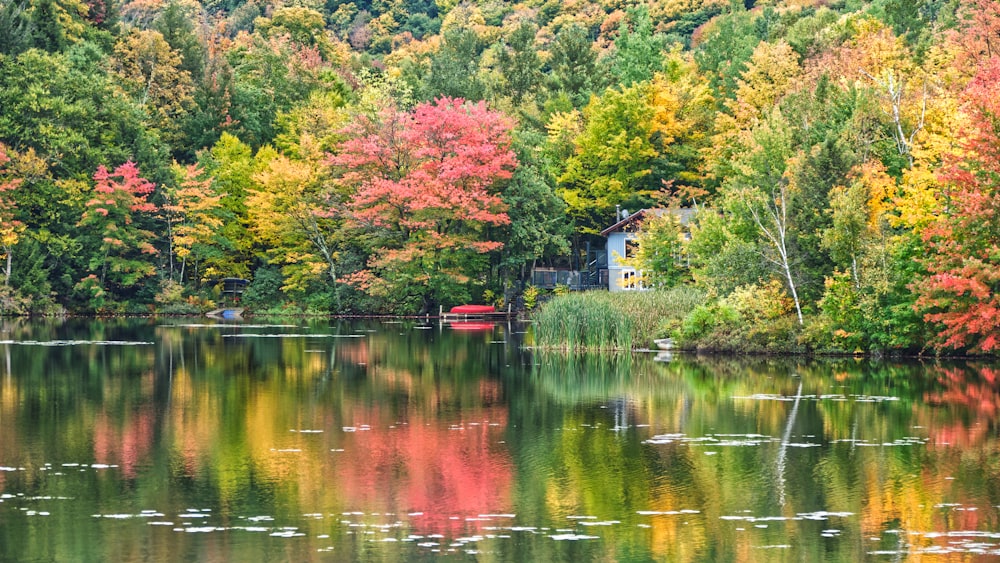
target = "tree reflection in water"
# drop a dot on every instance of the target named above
(343, 436)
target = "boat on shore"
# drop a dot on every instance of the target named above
(232, 313)
(477, 312)
(472, 309)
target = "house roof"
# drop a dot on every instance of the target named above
(684, 214)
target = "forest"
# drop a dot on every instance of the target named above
(842, 157)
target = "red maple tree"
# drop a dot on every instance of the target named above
(424, 184)
(118, 200)
(977, 35)
(962, 294)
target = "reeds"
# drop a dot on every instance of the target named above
(598, 320)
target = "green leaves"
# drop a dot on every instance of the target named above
(638, 51)
(65, 108)
(612, 158)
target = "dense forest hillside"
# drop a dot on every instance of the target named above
(842, 155)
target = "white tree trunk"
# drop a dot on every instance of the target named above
(10, 264)
(775, 229)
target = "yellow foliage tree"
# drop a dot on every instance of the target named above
(194, 216)
(149, 71)
(291, 217)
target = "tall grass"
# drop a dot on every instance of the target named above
(599, 320)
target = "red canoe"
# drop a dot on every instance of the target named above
(473, 309)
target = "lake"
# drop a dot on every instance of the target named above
(183, 440)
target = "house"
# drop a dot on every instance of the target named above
(623, 244)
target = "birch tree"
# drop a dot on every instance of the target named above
(762, 190)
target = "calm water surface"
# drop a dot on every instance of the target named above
(391, 441)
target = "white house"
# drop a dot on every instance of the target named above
(622, 244)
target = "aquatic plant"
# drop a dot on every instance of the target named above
(600, 320)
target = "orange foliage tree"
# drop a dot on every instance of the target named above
(10, 227)
(425, 188)
(962, 294)
(113, 214)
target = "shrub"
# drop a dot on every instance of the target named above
(530, 296)
(705, 319)
(264, 292)
(492, 298)
(754, 318)
(756, 303)
(12, 302)
(89, 293)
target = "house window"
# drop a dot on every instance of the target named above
(631, 248)
(629, 279)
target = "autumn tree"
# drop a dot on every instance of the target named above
(302, 25)
(961, 295)
(231, 164)
(57, 24)
(661, 249)
(977, 33)
(294, 212)
(292, 215)
(612, 158)
(903, 91)
(309, 131)
(150, 71)
(866, 299)
(10, 227)
(771, 71)
(37, 249)
(112, 216)
(628, 141)
(857, 217)
(685, 111)
(426, 197)
(194, 214)
(176, 24)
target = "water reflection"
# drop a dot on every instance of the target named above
(403, 440)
